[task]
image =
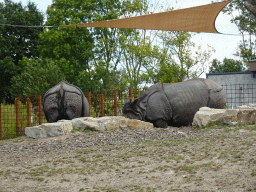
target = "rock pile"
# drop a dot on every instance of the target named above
(101, 124)
(243, 115)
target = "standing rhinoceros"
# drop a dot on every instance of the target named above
(64, 101)
(175, 104)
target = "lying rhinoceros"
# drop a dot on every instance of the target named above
(175, 104)
(64, 101)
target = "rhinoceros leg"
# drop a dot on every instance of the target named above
(161, 123)
(51, 108)
(158, 110)
(72, 105)
(85, 106)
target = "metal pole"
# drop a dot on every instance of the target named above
(115, 103)
(17, 117)
(40, 108)
(28, 113)
(102, 105)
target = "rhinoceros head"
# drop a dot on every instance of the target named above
(132, 110)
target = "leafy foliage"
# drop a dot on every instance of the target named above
(246, 24)
(93, 54)
(228, 65)
(17, 42)
(177, 61)
(38, 76)
(7, 71)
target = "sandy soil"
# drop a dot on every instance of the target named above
(213, 159)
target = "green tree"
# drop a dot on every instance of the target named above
(245, 21)
(37, 76)
(138, 53)
(228, 65)
(7, 71)
(72, 44)
(17, 42)
(178, 60)
(169, 71)
(88, 50)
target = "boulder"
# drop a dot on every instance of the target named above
(35, 132)
(49, 129)
(243, 115)
(246, 116)
(108, 123)
(207, 115)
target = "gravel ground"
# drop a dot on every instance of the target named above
(127, 159)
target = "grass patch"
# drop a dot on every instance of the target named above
(75, 129)
(85, 151)
(38, 179)
(253, 172)
(64, 180)
(193, 168)
(9, 119)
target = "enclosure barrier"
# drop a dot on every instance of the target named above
(28, 111)
(17, 117)
(239, 94)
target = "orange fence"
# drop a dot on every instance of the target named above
(28, 111)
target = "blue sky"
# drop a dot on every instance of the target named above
(225, 45)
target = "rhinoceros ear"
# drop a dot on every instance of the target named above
(136, 101)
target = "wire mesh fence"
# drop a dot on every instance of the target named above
(239, 94)
(28, 111)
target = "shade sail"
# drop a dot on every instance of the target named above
(195, 19)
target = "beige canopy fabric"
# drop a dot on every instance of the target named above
(195, 19)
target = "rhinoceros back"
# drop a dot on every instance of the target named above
(63, 85)
(186, 98)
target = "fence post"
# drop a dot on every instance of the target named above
(28, 113)
(40, 108)
(115, 103)
(17, 117)
(0, 122)
(130, 94)
(89, 98)
(101, 105)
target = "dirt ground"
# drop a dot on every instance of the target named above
(220, 158)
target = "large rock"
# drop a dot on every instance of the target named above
(206, 115)
(100, 124)
(243, 115)
(108, 123)
(49, 129)
(246, 116)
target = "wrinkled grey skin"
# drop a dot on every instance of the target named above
(175, 104)
(250, 5)
(64, 101)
